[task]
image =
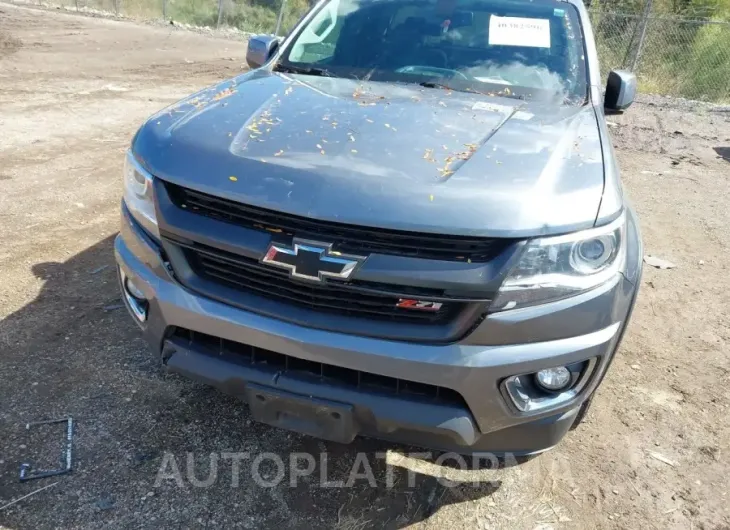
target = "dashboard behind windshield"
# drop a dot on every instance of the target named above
(527, 49)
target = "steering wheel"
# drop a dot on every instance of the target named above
(431, 71)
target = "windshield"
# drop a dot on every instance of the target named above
(518, 48)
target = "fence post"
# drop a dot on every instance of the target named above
(281, 16)
(642, 35)
(164, 10)
(220, 13)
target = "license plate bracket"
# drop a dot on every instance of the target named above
(322, 418)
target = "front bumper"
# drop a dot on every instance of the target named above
(585, 327)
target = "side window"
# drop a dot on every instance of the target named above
(317, 42)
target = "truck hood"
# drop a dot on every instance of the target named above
(383, 155)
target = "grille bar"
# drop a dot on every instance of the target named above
(250, 276)
(345, 238)
(326, 373)
(232, 275)
(400, 291)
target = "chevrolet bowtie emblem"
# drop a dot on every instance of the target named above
(311, 260)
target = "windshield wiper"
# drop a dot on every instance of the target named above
(308, 70)
(492, 93)
(431, 84)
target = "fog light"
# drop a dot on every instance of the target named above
(135, 298)
(548, 389)
(134, 290)
(553, 379)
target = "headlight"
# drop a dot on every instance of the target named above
(139, 194)
(552, 268)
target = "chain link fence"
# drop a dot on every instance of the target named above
(670, 55)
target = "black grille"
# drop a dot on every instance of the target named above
(345, 238)
(336, 375)
(239, 272)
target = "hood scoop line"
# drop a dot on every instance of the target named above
(454, 162)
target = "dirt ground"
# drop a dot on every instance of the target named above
(653, 452)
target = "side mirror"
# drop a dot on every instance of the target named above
(260, 49)
(620, 90)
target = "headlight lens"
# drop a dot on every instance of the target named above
(552, 268)
(139, 194)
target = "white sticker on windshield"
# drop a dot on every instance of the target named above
(518, 31)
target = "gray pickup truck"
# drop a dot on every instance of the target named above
(406, 222)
